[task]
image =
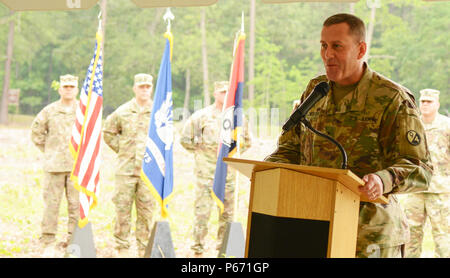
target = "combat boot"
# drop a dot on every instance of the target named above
(198, 250)
(49, 250)
(123, 253)
(141, 252)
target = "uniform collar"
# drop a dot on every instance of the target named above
(66, 109)
(215, 110)
(136, 108)
(438, 122)
(355, 100)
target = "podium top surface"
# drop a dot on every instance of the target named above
(346, 177)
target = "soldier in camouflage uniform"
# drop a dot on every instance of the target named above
(125, 131)
(377, 123)
(201, 135)
(50, 132)
(434, 203)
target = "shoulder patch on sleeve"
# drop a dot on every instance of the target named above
(413, 137)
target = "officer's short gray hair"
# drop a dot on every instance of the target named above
(357, 27)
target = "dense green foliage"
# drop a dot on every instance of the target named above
(410, 45)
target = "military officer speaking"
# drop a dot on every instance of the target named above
(378, 124)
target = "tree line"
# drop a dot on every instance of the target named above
(408, 43)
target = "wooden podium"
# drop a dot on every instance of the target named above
(300, 211)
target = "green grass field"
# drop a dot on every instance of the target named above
(21, 179)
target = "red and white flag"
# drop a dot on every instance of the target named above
(87, 135)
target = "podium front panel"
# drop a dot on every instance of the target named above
(286, 193)
(284, 237)
(297, 215)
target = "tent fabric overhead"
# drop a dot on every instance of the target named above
(55, 5)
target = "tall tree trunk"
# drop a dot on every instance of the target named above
(370, 31)
(103, 24)
(49, 75)
(187, 94)
(152, 30)
(9, 55)
(207, 99)
(251, 58)
(156, 20)
(352, 8)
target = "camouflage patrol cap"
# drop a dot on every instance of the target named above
(220, 86)
(429, 94)
(68, 80)
(142, 79)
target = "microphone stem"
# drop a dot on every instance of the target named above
(344, 154)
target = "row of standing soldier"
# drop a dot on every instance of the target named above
(125, 132)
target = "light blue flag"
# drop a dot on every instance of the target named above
(157, 165)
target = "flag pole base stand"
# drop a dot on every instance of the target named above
(160, 243)
(233, 245)
(81, 243)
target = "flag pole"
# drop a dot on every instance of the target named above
(238, 153)
(167, 17)
(99, 22)
(159, 151)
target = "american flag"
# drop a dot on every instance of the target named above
(86, 136)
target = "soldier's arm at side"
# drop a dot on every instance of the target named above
(246, 137)
(39, 130)
(187, 139)
(407, 158)
(111, 132)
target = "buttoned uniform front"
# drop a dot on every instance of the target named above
(50, 132)
(435, 202)
(201, 135)
(125, 132)
(378, 125)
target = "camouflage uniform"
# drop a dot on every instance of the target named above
(50, 132)
(201, 135)
(378, 125)
(125, 131)
(435, 202)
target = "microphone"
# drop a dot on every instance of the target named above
(318, 93)
(299, 114)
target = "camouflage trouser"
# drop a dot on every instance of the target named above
(202, 211)
(374, 251)
(420, 206)
(129, 189)
(55, 185)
